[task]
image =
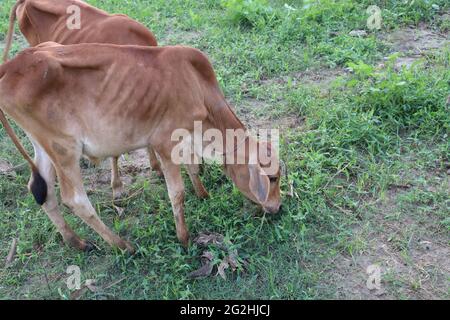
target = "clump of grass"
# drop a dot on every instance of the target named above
(351, 135)
(410, 98)
(444, 23)
(396, 12)
(250, 13)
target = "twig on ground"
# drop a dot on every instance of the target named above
(114, 283)
(136, 193)
(12, 253)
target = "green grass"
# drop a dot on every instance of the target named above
(357, 139)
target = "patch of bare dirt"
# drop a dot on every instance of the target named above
(410, 42)
(131, 166)
(413, 257)
(258, 114)
(415, 40)
(185, 38)
(175, 37)
(413, 43)
(50, 279)
(135, 161)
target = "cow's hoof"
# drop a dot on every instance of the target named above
(76, 242)
(159, 173)
(203, 195)
(89, 247)
(118, 195)
(184, 241)
(128, 247)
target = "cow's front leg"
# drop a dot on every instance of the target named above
(51, 206)
(116, 182)
(193, 171)
(74, 195)
(175, 187)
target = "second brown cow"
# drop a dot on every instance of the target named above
(46, 20)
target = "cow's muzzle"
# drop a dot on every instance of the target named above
(272, 209)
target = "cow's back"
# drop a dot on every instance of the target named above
(46, 20)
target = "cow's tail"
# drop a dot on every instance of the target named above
(9, 37)
(38, 186)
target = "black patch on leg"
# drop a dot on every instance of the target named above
(39, 188)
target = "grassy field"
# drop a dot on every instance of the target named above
(365, 135)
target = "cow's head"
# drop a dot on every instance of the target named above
(258, 180)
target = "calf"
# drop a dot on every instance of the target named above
(46, 20)
(102, 100)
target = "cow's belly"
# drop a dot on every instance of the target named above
(93, 149)
(108, 143)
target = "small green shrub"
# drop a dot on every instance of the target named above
(444, 23)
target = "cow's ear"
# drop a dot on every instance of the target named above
(259, 183)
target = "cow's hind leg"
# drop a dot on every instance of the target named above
(74, 195)
(154, 162)
(116, 182)
(175, 187)
(193, 171)
(51, 206)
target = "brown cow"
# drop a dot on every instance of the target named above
(103, 100)
(46, 20)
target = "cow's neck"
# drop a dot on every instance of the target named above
(224, 119)
(43, 25)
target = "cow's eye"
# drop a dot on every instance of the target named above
(273, 179)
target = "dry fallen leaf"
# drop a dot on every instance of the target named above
(88, 285)
(206, 268)
(231, 260)
(114, 283)
(77, 294)
(205, 239)
(203, 272)
(91, 285)
(221, 269)
(119, 210)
